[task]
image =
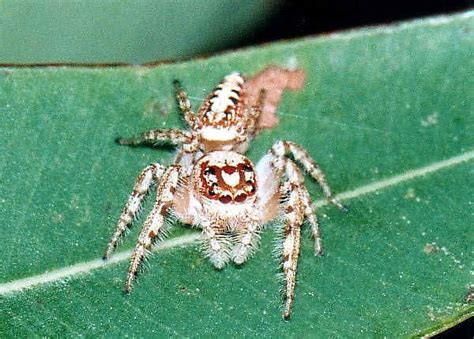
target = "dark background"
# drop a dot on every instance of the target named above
(301, 18)
(90, 32)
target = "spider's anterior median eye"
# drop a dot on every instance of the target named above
(248, 168)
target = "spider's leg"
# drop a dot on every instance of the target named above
(151, 174)
(184, 104)
(311, 215)
(293, 212)
(282, 148)
(153, 226)
(255, 112)
(171, 136)
(216, 244)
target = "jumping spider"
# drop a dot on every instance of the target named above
(214, 186)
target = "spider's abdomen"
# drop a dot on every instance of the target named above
(221, 114)
(226, 177)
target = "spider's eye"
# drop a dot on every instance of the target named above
(248, 168)
(209, 170)
(252, 187)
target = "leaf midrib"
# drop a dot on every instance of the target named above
(84, 267)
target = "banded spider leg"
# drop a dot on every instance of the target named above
(296, 205)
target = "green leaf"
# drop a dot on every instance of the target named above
(388, 114)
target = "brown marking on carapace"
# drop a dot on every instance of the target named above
(229, 169)
(151, 234)
(230, 108)
(294, 186)
(241, 197)
(225, 199)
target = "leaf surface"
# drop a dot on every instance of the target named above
(378, 103)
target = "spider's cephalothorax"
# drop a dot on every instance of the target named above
(214, 186)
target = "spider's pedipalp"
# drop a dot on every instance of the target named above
(153, 226)
(217, 245)
(151, 174)
(246, 242)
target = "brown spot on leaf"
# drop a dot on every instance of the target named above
(273, 80)
(430, 248)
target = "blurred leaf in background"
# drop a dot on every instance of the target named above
(90, 31)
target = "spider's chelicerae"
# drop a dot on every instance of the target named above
(214, 186)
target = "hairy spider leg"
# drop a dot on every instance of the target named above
(255, 112)
(292, 195)
(154, 136)
(150, 175)
(252, 114)
(282, 148)
(312, 217)
(293, 218)
(154, 223)
(184, 104)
